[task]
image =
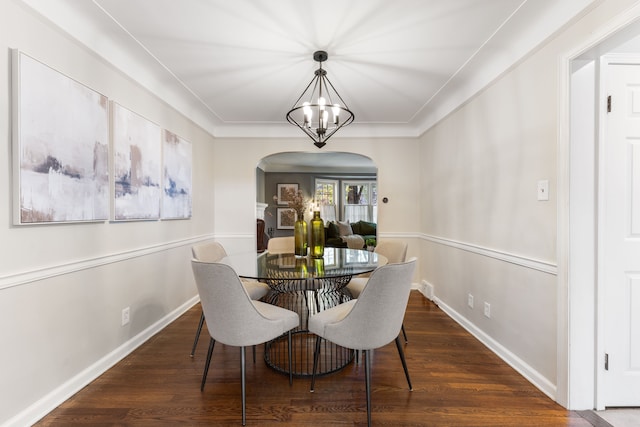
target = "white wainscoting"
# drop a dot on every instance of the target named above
(428, 290)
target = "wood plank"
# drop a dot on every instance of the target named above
(456, 380)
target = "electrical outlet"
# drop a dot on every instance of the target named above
(487, 309)
(470, 300)
(125, 316)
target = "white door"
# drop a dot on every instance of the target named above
(620, 239)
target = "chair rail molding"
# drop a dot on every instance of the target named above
(523, 261)
(43, 273)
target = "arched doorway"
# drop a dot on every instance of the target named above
(305, 171)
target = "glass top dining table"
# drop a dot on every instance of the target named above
(307, 286)
(286, 271)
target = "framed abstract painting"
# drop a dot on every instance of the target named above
(176, 160)
(60, 146)
(137, 153)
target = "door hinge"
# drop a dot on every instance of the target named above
(609, 104)
(606, 361)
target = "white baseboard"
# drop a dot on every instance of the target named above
(533, 376)
(53, 399)
(427, 290)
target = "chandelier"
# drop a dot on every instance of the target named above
(320, 111)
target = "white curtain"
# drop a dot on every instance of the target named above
(328, 213)
(355, 213)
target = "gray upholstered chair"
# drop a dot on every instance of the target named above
(281, 245)
(369, 322)
(394, 251)
(214, 252)
(234, 319)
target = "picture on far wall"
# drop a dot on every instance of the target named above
(176, 195)
(286, 218)
(286, 193)
(60, 146)
(136, 166)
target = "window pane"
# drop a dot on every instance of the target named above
(356, 194)
(326, 192)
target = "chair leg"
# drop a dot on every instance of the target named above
(406, 340)
(404, 362)
(290, 362)
(254, 354)
(195, 341)
(206, 366)
(316, 355)
(242, 376)
(367, 378)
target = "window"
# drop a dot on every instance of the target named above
(325, 195)
(360, 200)
(355, 200)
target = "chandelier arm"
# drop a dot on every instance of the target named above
(325, 80)
(337, 94)
(303, 92)
(315, 85)
(309, 133)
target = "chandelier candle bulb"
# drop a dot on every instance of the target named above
(336, 113)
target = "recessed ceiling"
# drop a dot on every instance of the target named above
(236, 67)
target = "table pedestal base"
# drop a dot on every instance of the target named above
(332, 356)
(306, 302)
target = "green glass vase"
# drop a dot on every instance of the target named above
(318, 267)
(300, 237)
(317, 236)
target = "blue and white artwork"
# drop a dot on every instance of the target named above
(61, 146)
(176, 196)
(136, 166)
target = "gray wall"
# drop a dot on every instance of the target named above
(306, 182)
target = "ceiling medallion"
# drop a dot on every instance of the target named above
(320, 111)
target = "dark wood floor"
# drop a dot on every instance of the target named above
(456, 380)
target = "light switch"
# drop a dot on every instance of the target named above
(543, 190)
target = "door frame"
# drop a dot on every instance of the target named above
(579, 312)
(605, 62)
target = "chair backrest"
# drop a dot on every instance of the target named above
(281, 245)
(208, 252)
(231, 317)
(376, 317)
(393, 250)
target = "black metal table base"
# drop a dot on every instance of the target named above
(306, 302)
(332, 357)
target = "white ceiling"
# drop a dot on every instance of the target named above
(236, 67)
